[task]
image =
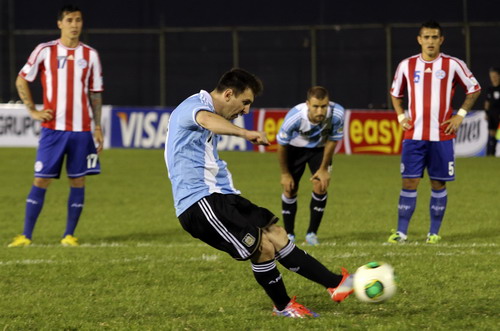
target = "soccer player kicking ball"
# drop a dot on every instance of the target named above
(212, 210)
(430, 79)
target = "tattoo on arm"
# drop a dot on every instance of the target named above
(469, 101)
(96, 102)
(25, 94)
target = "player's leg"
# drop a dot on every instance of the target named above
(437, 208)
(297, 260)
(267, 274)
(441, 168)
(318, 199)
(48, 164)
(296, 159)
(413, 158)
(82, 160)
(493, 121)
(231, 223)
(76, 201)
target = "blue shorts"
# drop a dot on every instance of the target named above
(78, 147)
(437, 156)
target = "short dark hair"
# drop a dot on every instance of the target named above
(239, 80)
(431, 24)
(495, 69)
(318, 92)
(65, 10)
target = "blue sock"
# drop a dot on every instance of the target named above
(75, 207)
(34, 204)
(406, 207)
(439, 198)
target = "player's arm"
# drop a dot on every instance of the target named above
(219, 125)
(397, 104)
(286, 181)
(454, 122)
(323, 173)
(96, 103)
(24, 91)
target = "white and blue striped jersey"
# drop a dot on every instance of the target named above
(298, 131)
(193, 163)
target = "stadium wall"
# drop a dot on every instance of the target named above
(365, 131)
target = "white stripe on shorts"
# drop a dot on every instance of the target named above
(221, 229)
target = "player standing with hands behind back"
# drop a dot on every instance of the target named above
(308, 136)
(72, 85)
(430, 79)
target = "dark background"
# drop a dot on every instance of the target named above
(355, 56)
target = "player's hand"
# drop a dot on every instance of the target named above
(43, 115)
(406, 124)
(257, 138)
(452, 124)
(321, 177)
(99, 140)
(287, 183)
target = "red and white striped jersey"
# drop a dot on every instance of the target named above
(67, 75)
(431, 86)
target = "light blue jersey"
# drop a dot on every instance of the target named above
(193, 163)
(298, 131)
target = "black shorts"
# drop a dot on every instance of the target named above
(298, 157)
(228, 222)
(493, 119)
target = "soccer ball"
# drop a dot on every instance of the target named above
(374, 282)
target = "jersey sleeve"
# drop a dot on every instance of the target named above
(337, 123)
(399, 81)
(96, 80)
(465, 77)
(30, 70)
(289, 126)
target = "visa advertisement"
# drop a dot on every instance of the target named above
(147, 128)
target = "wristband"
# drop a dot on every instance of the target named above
(462, 112)
(401, 117)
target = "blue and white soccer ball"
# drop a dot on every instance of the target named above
(375, 282)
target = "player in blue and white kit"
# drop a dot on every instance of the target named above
(210, 208)
(308, 135)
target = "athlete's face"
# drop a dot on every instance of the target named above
(236, 105)
(430, 40)
(71, 25)
(317, 109)
(495, 78)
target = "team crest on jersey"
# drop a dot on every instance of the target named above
(440, 74)
(82, 63)
(38, 166)
(249, 240)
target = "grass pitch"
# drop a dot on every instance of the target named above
(137, 268)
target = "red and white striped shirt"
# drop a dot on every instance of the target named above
(67, 75)
(431, 86)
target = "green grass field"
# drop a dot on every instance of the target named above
(138, 270)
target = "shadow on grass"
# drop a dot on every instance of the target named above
(381, 236)
(164, 237)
